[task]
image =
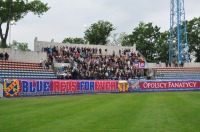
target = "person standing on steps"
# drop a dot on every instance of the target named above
(6, 56)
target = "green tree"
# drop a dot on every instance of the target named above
(148, 40)
(193, 29)
(73, 40)
(20, 46)
(162, 47)
(14, 10)
(127, 40)
(98, 32)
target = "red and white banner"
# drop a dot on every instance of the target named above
(169, 84)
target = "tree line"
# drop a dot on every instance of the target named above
(149, 39)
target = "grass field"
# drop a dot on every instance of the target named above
(145, 112)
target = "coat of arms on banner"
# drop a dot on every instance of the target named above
(11, 87)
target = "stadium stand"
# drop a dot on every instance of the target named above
(90, 63)
(177, 72)
(15, 69)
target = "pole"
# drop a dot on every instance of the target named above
(10, 33)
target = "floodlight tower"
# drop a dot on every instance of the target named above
(178, 45)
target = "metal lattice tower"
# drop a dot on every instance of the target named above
(178, 46)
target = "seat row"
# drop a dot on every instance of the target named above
(178, 75)
(18, 62)
(28, 77)
(26, 71)
(14, 69)
(35, 74)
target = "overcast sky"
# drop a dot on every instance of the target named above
(67, 18)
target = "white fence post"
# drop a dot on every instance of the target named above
(1, 90)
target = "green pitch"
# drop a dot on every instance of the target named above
(144, 112)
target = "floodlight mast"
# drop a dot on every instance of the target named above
(178, 45)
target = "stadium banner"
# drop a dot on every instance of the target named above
(169, 85)
(34, 87)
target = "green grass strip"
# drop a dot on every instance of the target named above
(138, 112)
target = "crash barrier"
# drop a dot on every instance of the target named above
(32, 87)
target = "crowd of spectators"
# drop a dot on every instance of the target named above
(90, 63)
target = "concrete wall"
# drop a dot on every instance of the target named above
(24, 56)
(193, 64)
(61, 64)
(38, 45)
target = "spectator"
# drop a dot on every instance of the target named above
(166, 63)
(6, 56)
(46, 64)
(106, 51)
(176, 63)
(41, 60)
(157, 63)
(139, 73)
(169, 64)
(100, 51)
(182, 63)
(1, 56)
(160, 63)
